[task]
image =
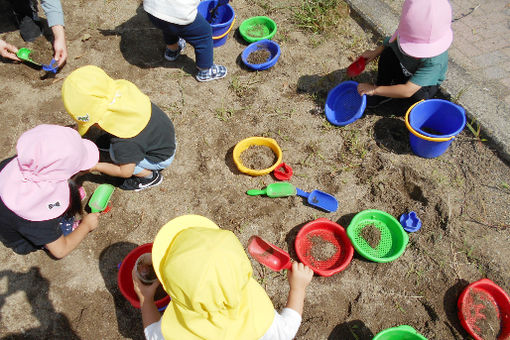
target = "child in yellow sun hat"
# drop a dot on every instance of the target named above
(207, 274)
(142, 137)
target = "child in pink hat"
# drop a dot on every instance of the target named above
(37, 191)
(412, 62)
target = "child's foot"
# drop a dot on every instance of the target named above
(173, 55)
(139, 183)
(375, 101)
(214, 72)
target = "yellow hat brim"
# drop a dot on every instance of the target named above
(169, 231)
(258, 313)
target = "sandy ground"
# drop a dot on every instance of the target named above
(461, 196)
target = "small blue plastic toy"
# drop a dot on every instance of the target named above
(410, 222)
(52, 67)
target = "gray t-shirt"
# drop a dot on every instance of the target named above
(156, 142)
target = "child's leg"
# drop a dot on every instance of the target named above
(426, 92)
(389, 71)
(199, 35)
(174, 44)
(170, 34)
(145, 167)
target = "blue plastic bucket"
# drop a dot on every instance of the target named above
(344, 105)
(432, 126)
(223, 20)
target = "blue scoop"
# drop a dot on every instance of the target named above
(319, 199)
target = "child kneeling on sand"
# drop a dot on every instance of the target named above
(142, 136)
(413, 62)
(207, 274)
(38, 195)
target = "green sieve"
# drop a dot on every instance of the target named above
(393, 238)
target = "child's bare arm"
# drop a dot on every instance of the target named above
(145, 293)
(394, 91)
(370, 55)
(115, 170)
(65, 244)
(299, 278)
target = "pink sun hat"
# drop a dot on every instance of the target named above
(34, 183)
(425, 29)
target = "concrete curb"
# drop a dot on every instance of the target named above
(479, 100)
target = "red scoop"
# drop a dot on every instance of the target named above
(268, 254)
(356, 67)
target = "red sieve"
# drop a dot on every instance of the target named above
(470, 312)
(325, 231)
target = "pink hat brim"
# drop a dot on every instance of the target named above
(31, 200)
(427, 50)
(92, 155)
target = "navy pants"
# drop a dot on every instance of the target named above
(390, 73)
(198, 34)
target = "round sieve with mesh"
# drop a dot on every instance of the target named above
(474, 310)
(483, 305)
(344, 104)
(393, 240)
(328, 242)
(385, 245)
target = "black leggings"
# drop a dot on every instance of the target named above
(24, 8)
(390, 73)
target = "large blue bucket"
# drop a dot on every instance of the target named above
(432, 125)
(223, 20)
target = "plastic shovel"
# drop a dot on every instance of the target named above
(100, 198)
(279, 189)
(268, 254)
(356, 67)
(319, 199)
(24, 54)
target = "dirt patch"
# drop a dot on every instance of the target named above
(490, 326)
(461, 197)
(372, 235)
(42, 50)
(259, 56)
(322, 250)
(258, 157)
(431, 131)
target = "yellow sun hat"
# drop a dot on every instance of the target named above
(209, 278)
(117, 106)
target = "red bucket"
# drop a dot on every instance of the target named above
(125, 279)
(327, 233)
(471, 307)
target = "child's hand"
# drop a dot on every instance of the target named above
(144, 292)
(8, 51)
(91, 221)
(365, 88)
(370, 55)
(300, 276)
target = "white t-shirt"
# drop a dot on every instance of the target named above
(284, 327)
(180, 12)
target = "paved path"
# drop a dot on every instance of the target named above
(479, 69)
